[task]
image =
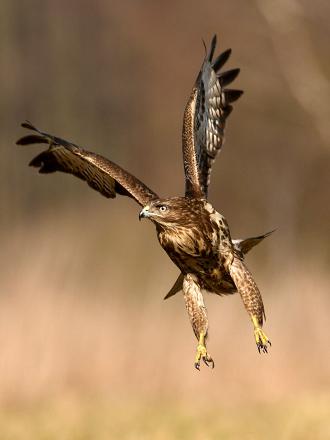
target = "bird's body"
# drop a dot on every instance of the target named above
(198, 242)
(194, 235)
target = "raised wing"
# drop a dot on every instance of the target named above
(204, 120)
(100, 173)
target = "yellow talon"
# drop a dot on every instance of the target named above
(261, 340)
(202, 354)
(260, 337)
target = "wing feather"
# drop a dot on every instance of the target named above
(204, 120)
(101, 174)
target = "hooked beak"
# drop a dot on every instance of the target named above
(144, 213)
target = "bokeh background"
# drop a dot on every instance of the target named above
(88, 347)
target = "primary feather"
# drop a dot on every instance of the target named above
(100, 173)
(204, 122)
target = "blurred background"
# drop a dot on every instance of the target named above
(88, 347)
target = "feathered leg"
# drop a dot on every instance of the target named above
(252, 300)
(197, 313)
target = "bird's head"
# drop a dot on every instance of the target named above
(159, 211)
(168, 212)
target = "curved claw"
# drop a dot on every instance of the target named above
(208, 361)
(202, 354)
(262, 348)
(261, 340)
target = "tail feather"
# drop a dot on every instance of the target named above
(177, 286)
(246, 244)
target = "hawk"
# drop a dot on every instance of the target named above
(194, 235)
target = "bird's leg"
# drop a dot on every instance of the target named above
(198, 317)
(260, 337)
(202, 353)
(252, 300)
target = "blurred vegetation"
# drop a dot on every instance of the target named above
(161, 421)
(82, 282)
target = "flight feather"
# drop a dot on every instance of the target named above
(204, 120)
(100, 173)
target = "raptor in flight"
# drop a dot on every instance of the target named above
(194, 235)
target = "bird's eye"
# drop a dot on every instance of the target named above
(162, 208)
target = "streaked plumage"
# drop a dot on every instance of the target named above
(241, 247)
(195, 236)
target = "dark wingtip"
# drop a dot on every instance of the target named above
(31, 139)
(28, 125)
(227, 110)
(228, 77)
(232, 95)
(45, 162)
(212, 48)
(36, 162)
(21, 141)
(221, 60)
(205, 48)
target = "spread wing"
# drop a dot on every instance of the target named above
(204, 120)
(100, 173)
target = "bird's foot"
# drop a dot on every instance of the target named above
(262, 340)
(203, 354)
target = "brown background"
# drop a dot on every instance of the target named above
(82, 281)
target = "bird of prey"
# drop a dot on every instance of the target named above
(194, 235)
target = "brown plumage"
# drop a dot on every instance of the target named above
(195, 236)
(241, 248)
(100, 173)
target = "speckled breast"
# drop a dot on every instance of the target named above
(197, 248)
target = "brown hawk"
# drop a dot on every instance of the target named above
(195, 236)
